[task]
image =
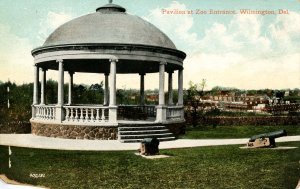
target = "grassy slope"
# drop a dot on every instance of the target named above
(206, 132)
(206, 167)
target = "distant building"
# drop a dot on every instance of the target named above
(287, 93)
(152, 98)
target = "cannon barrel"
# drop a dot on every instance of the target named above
(271, 135)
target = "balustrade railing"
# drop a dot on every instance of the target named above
(46, 112)
(86, 114)
(175, 112)
(136, 112)
(100, 114)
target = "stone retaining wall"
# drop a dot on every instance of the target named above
(250, 120)
(74, 131)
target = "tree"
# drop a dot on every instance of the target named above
(193, 103)
(51, 91)
(120, 94)
(97, 87)
(202, 85)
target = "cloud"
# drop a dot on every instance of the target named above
(177, 27)
(242, 35)
(285, 32)
(217, 39)
(240, 53)
(248, 31)
(15, 51)
(53, 21)
(246, 52)
(16, 61)
(236, 70)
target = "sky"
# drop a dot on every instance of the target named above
(246, 51)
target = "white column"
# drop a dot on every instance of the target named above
(142, 89)
(36, 85)
(43, 83)
(170, 88)
(60, 91)
(161, 83)
(70, 87)
(35, 90)
(106, 92)
(112, 82)
(161, 108)
(180, 87)
(112, 91)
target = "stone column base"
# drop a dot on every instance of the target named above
(161, 113)
(112, 114)
(59, 114)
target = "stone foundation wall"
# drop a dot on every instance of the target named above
(75, 132)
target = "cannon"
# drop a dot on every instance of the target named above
(265, 140)
(149, 146)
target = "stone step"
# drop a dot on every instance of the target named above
(141, 124)
(141, 132)
(142, 136)
(141, 128)
(140, 140)
(137, 132)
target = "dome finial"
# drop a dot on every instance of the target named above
(110, 8)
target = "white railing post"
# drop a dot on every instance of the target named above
(44, 112)
(102, 116)
(86, 114)
(76, 114)
(92, 114)
(51, 114)
(67, 114)
(47, 113)
(81, 114)
(71, 116)
(97, 114)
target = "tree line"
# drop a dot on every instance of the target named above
(20, 96)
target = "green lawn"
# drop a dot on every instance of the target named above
(205, 167)
(209, 132)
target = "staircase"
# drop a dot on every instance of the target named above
(136, 133)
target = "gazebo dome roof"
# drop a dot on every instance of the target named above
(110, 24)
(88, 43)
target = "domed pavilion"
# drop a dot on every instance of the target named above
(108, 42)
